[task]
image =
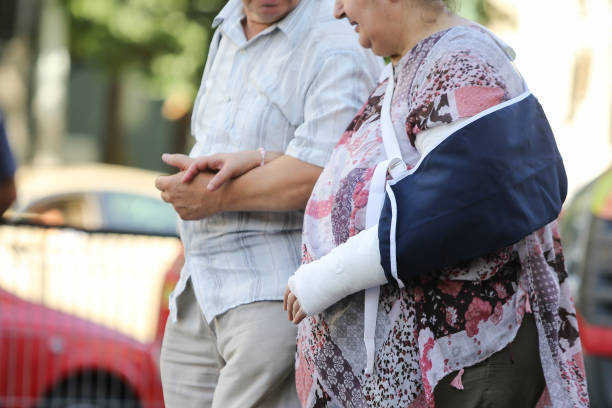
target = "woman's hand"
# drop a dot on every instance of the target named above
(227, 166)
(292, 305)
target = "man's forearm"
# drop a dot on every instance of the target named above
(284, 184)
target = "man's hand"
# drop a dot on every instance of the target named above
(227, 166)
(283, 184)
(180, 161)
(192, 201)
(292, 305)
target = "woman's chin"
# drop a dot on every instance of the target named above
(377, 50)
(365, 43)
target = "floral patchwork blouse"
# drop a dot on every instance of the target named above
(436, 325)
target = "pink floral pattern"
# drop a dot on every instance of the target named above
(436, 325)
(478, 311)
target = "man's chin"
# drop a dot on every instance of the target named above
(271, 15)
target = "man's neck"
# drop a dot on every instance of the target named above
(251, 28)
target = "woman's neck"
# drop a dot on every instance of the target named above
(423, 25)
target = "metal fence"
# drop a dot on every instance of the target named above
(80, 315)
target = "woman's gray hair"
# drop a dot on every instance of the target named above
(450, 4)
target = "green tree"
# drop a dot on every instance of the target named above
(472, 9)
(164, 40)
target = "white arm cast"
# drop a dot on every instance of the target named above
(348, 268)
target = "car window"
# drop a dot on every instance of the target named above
(74, 210)
(136, 213)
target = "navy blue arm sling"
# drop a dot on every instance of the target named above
(485, 186)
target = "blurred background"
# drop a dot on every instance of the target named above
(101, 81)
(94, 91)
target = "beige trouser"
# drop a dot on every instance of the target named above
(243, 358)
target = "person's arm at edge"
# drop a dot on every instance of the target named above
(8, 193)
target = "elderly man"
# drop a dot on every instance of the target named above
(7, 172)
(282, 81)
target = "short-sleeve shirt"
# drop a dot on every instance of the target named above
(7, 163)
(293, 88)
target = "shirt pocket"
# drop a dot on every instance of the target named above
(269, 110)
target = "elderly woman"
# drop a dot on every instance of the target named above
(497, 329)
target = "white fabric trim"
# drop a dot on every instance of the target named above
(388, 132)
(392, 232)
(376, 200)
(376, 196)
(386, 71)
(348, 268)
(396, 166)
(370, 313)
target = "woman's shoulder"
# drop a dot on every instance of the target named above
(473, 39)
(470, 55)
(465, 72)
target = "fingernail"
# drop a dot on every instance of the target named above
(210, 187)
(164, 155)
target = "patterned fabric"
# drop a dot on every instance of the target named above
(292, 88)
(436, 325)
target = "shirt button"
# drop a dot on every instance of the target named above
(228, 99)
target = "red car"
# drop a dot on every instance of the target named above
(120, 242)
(49, 358)
(53, 359)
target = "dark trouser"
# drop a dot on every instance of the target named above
(512, 377)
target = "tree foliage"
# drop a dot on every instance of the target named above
(166, 40)
(473, 9)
